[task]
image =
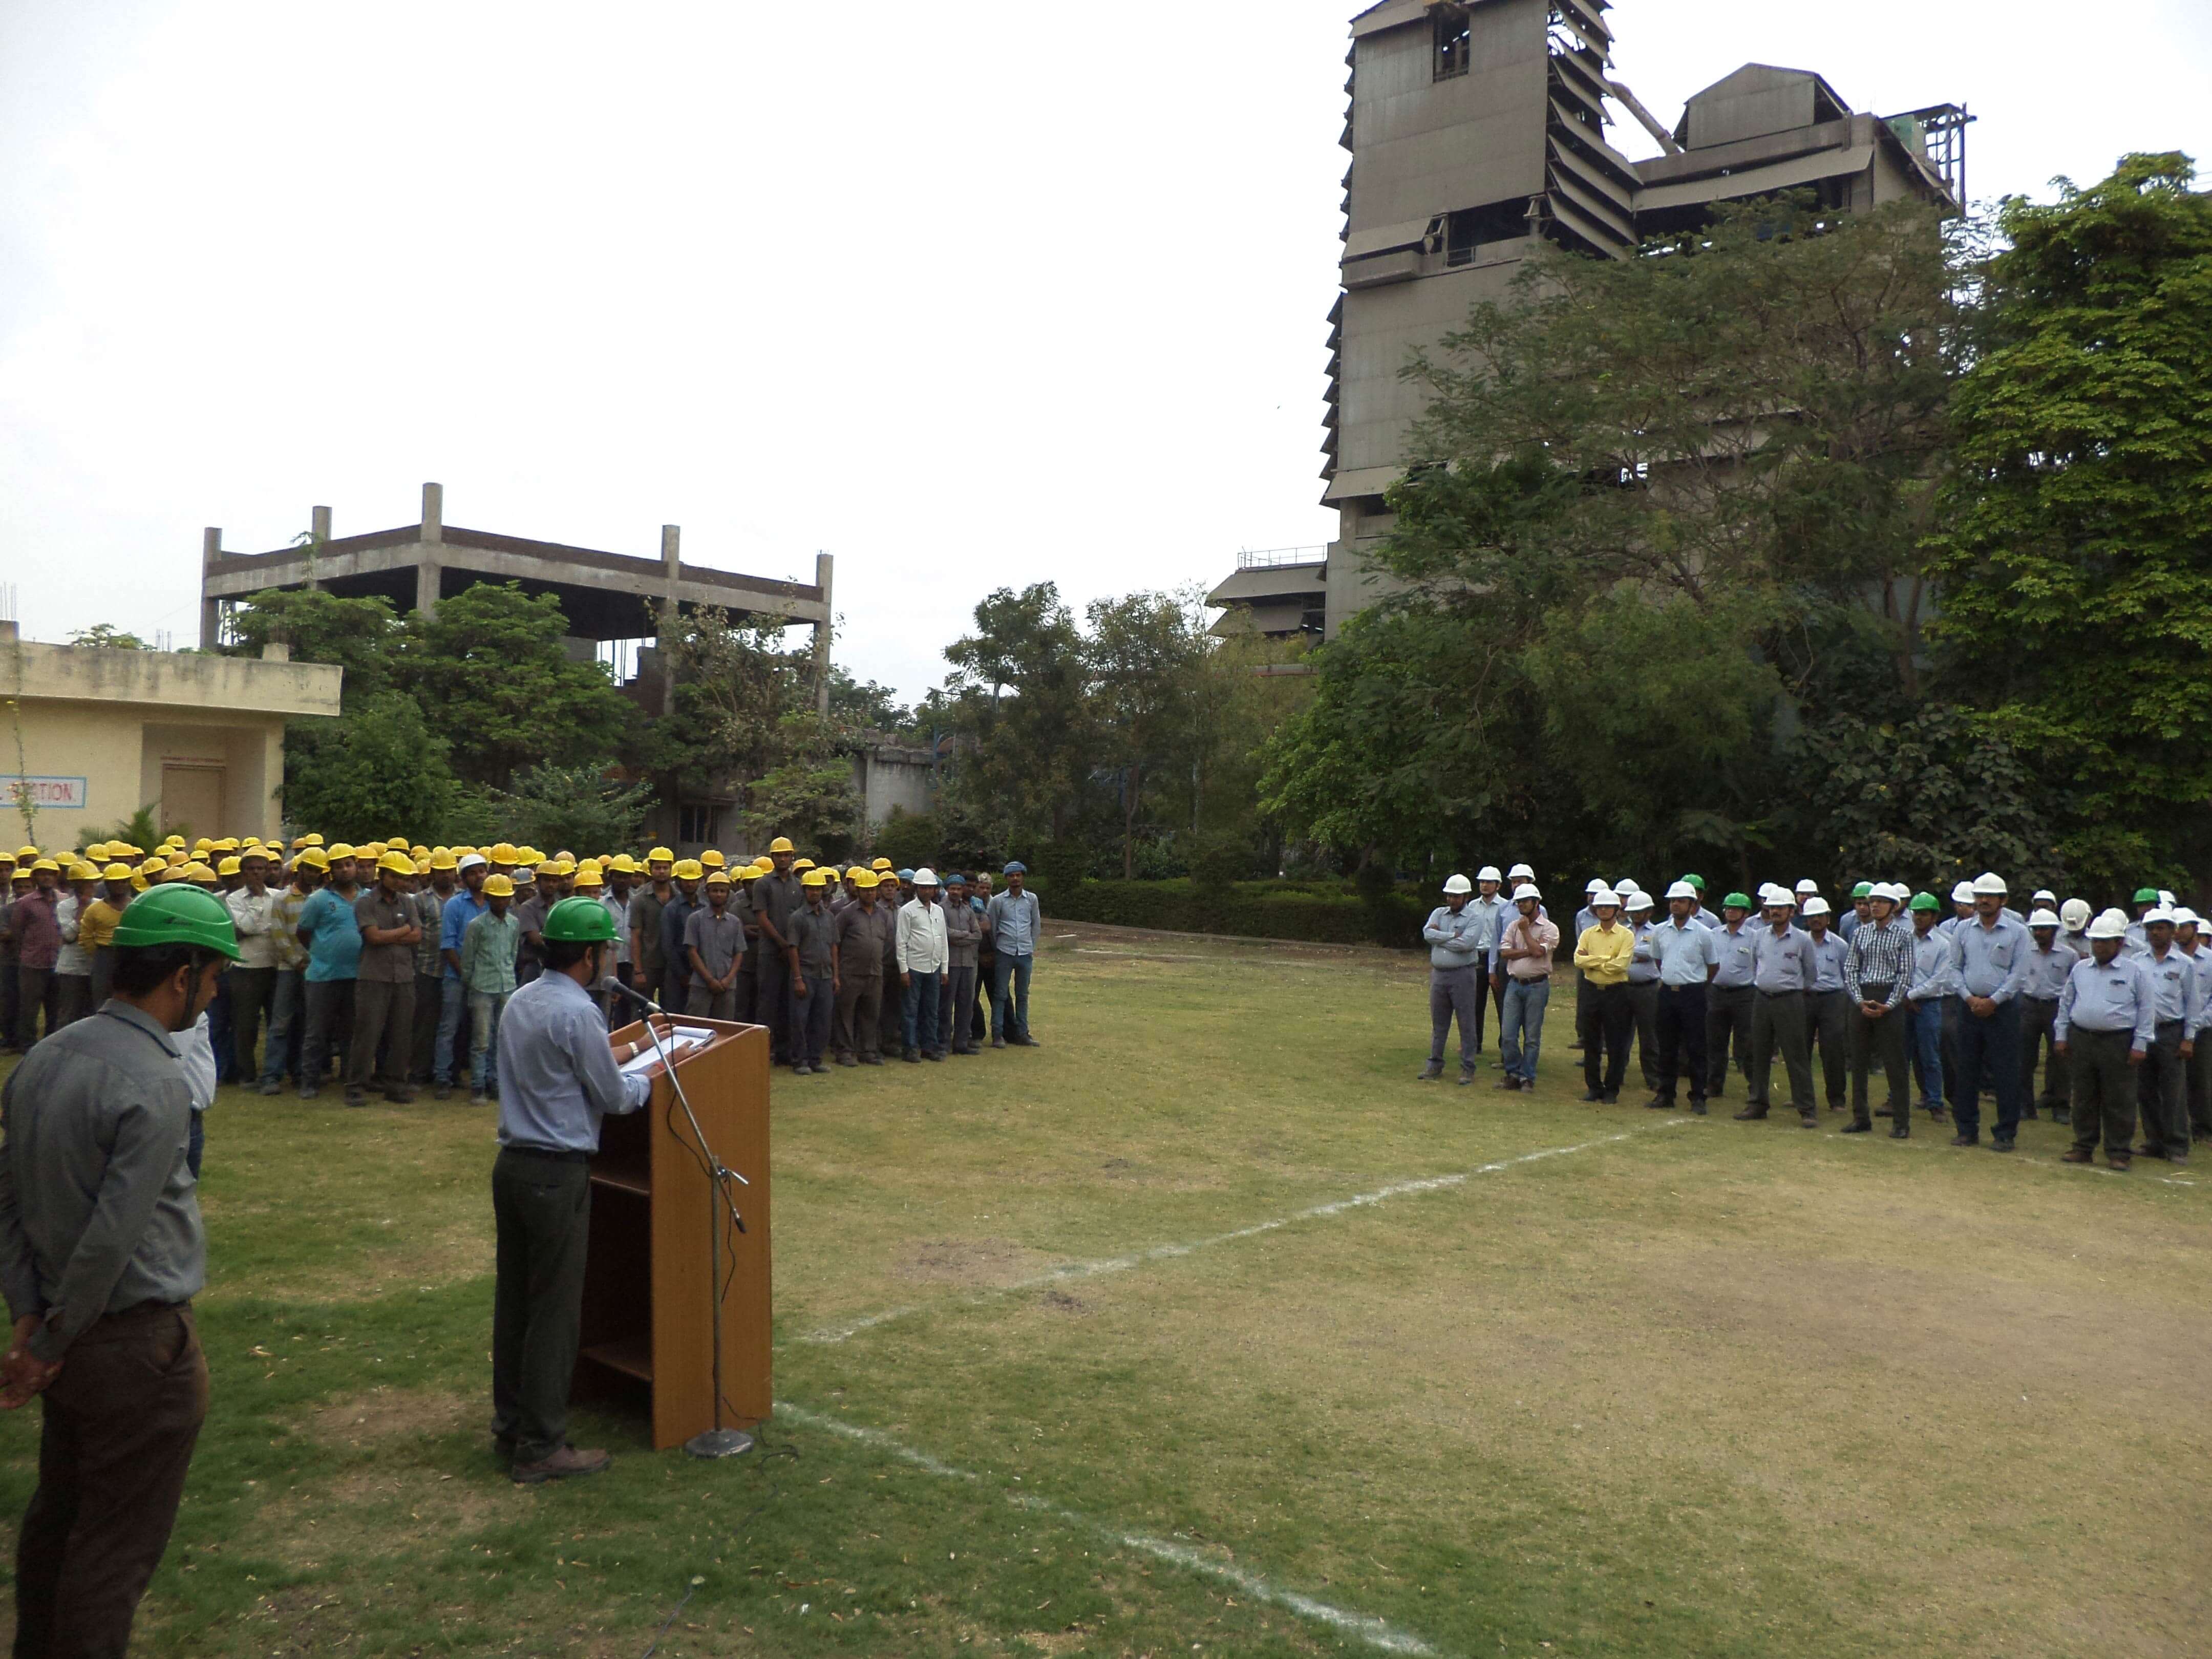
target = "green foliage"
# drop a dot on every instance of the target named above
(142, 828)
(1320, 914)
(865, 706)
(909, 840)
(2077, 563)
(379, 764)
(106, 636)
(579, 807)
(361, 636)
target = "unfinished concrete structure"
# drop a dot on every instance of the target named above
(1477, 128)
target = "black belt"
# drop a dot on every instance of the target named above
(1782, 994)
(549, 1154)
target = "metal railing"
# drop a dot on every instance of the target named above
(1275, 558)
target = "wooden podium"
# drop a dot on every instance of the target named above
(649, 1324)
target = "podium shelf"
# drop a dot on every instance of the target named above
(633, 1175)
(630, 1355)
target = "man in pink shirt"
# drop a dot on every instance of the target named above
(1525, 951)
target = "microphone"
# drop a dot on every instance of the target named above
(612, 986)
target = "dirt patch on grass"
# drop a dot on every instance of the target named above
(393, 1414)
(972, 1264)
(1061, 1301)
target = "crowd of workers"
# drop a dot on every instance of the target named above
(387, 965)
(1966, 997)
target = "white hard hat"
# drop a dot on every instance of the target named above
(1990, 883)
(1963, 893)
(1681, 890)
(2165, 898)
(470, 860)
(2044, 919)
(1894, 891)
(1815, 905)
(1488, 872)
(2159, 913)
(1458, 885)
(1521, 870)
(2042, 893)
(1625, 885)
(1773, 892)
(1605, 896)
(1639, 900)
(2185, 917)
(1807, 887)
(1525, 891)
(925, 877)
(2074, 914)
(2109, 924)
(1596, 885)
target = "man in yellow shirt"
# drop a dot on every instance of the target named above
(1602, 953)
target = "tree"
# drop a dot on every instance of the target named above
(493, 663)
(361, 636)
(1017, 697)
(107, 637)
(2076, 565)
(909, 840)
(381, 764)
(864, 705)
(579, 807)
(1143, 656)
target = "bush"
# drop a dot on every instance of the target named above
(909, 840)
(1318, 912)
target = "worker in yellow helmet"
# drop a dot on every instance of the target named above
(776, 896)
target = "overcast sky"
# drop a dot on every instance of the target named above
(967, 296)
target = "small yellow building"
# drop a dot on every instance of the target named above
(90, 735)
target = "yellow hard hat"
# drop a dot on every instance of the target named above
(398, 862)
(116, 872)
(422, 867)
(749, 872)
(25, 855)
(781, 844)
(864, 880)
(658, 855)
(498, 886)
(197, 871)
(504, 854)
(314, 838)
(227, 844)
(623, 865)
(815, 878)
(313, 858)
(338, 850)
(803, 865)
(713, 858)
(588, 877)
(82, 871)
(443, 858)
(688, 870)
(368, 849)
(46, 864)
(880, 865)
(764, 864)
(718, 879)
(97, 850)
(229, 866)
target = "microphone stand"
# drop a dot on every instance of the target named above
(717, 1442)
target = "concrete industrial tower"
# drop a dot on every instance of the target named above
(1476, 129)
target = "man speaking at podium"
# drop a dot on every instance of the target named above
(559, 1074)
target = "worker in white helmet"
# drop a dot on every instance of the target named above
(1492, 910)
(1457, 959)
(2049, 964)
(2106, 1018)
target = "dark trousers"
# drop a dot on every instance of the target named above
(1643, 1009)
(1727, 1016)
(251, 991)
(219, 1019)
(1947, 1050)
(1681, 1019)
(959, 1000)
(1881, 1042)
(1988, 1050)
(1454, 991)
(1010, 996)
(2104, 1090)
(330, 1028)
(772, 1003)
(1778, 1021)
(121, 1420)
(2162, 1092)
(979, 1022)
(1828, 1028)
(36, 993)
(811, 1016)
(430, 1017)
(2038, 1018)
(542, 1209)
(74, 1000)
(11, 994)
(288, 1026)
(859, 1012)
(2200, 1089)
(383, 1035)
(747, 991)
(103, 974)
(1611, 1020)
(918, 1011)
(707, 1003)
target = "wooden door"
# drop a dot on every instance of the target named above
(191, 798)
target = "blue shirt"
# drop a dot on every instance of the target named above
(1848, 923)
(2172, 988)
(1014, 923)
(334, 937)
(2107, 998)
(1735, 955)
(1642, 969)
(1935, 968)
(2046, 977)
(557, 1075)
(1829, 952)
(454, 920)
(1781, 962)
(1495, 913)
(1685, 952)
(1993, 960)
(1455, 941)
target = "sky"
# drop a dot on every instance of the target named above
(968, 297)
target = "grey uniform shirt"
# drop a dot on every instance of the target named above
(1735, 951)
(557, 1075)
(1782, 962)
(811, 932)
(98, 1209)
(719, 939)
(964, 934)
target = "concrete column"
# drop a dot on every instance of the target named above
(824, 570)
(433, 512)
(427, 574)
(671, 572)
(210, 609)
(319, 524)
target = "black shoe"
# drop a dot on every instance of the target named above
(1808, 1120)
(1856, 1129)
(1966, 1140)
(1658, 1103)
(1025, 1041)
(1613, 1099)
(1752, 1115)
(1431, 1072)
(1997, 1145)
(1465, 1077)
(1902, 1132)
(1698, 1108)
(932, 1054)
(2026, 1112)
(1508, 1084)
(1885, 1111)
(911, 1057)
(1592, 1097)
(2063, 1115)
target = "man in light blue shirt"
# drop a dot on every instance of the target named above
(1992, 950)
(1491, 912)
(2106, 1018)
(1013, 920)
(1727, 1004)
(1782, 973)
(559, 1075)
(466, 904)
(1687, 956)
(1454, 932)
(1828, 1011)
(2188, 930)
(2162, 1080)
(1934, 977)
(1643, 991)
(2049, 963)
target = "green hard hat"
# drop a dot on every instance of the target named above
(2146, 896)
(1924, 902)
(577, 920)
(1698, 881)
(1864, 889)
(1737, 902)
(177, 913)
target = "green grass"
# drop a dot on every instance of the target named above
(1699, 1388)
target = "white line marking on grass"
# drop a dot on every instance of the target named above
(1115, 1264)
(1375, 1632)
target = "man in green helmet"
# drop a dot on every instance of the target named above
(559, 1074)
(101, 1252)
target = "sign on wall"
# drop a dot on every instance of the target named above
(43, 793)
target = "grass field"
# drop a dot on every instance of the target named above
(1084, 1350)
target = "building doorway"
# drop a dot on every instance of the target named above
(191, 798)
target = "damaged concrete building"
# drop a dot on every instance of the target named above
(1478, 131)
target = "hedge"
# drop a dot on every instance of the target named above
(1321, 912)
